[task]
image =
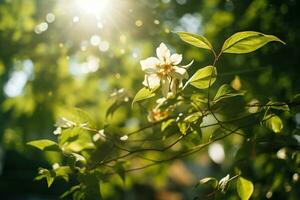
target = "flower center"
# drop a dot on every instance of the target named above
(165, 69)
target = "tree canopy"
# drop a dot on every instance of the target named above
(161, 99)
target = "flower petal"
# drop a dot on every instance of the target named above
(188, 65)
(163, 53)
(165, 85)
(175, 84)
(151, 81)
(179, 73)
(175, 59)
(149, 65)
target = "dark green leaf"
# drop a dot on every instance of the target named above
(70, 191)
(278, 105)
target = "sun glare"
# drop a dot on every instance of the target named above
(94, 7)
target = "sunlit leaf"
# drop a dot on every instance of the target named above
(75, 140)
(183, 127)
(236, 83)
(63, 172)
(274, 123)
(226, 91)
(44, 145)
(77, 116)
(47, 174)
(244, 188)
(247, 41)
(195, 40)
(143, 94)
(204, 78)
(166, 124)
(193, 117)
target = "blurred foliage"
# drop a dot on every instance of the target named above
(54, 57)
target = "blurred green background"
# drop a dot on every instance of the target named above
(58, 54)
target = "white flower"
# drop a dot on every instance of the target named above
(55, 166)
(223, 183)
(57, 131)
(98, 135)
(64, 123)
(124, 138)
(164, 71)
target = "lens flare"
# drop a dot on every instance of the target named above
(93, 7)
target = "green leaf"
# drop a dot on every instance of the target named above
(143, 94)
(75, 140)
(226, 91)
(183, 127)
(195, 40)
(48, 175)
(78, 116)
(274, 123)
(193, 117)
(278, 106)
(111, 110)
(70, 191)
(91, 187)
(208, 181)
(204, 78)
(244, 188)
(63, 172)
(44, 145)
(247, 41)
(120, 170)
(166, 124)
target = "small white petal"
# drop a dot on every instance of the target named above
(160, 101)
(188, 65)
(84, 125)
(165, 87)
(101, 132)
(151, 81)
(176, 58)
(55, 166)
(162, 52)
(57, 131)
(124, 138)
(96, 137)
(149, 65)
(65, 123)
(179, 73)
